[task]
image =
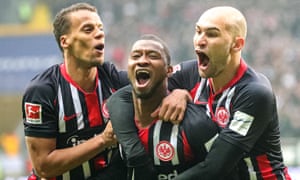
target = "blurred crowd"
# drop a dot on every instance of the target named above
(273, 42)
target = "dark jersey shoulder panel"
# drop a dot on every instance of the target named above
(251, 98)
(185, 75)
(42, 90)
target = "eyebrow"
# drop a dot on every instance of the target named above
(207, 28)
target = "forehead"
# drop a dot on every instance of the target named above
(81, 17)
(147, 45)
(208, 20)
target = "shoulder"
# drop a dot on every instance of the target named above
(122, 95)
(197, 123)
(185, 65)
(44, 83)
(255, 85)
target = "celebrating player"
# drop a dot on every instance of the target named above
(66, 130)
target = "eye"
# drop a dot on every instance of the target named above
(212, 33)
(135, 55)
(154, 55)
(88, 28)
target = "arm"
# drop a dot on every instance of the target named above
(116, 169)
(50, 162)
(120, 107)
(184, 78)
(173, 106)
(252, 109)
(219, 162)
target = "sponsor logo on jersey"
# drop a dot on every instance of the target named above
(222, 116)
(74, 141)
(241, 123)
(67, 118)
(33, 113)
(165, 151)
(169, 176)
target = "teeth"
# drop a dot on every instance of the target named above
(142, 71)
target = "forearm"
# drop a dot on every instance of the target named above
(50, 163)
(219, 163)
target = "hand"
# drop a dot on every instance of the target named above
(173, 106)
(108, 135)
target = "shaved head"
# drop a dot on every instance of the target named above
(232, 19)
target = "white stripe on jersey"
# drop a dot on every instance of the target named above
(252, 173)
(66, 176)
(156, 135)
(77, 106)
(86, 169)
(228, 100)
(209, 143)
(173, 141)
(199, 90)
(61, 122)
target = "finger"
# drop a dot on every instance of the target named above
(180, 116)
(155, 113)
(166, 115)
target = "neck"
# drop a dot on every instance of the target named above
(84, 77)
(226, 76)
(145, 106)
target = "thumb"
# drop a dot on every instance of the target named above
(155, 113)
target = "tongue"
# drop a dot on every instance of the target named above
(142, 81)
(204, 62)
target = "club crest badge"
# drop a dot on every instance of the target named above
(222, 116)
(165, 151)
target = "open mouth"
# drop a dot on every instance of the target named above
(99, 47)
(142, 77)
(203, 59)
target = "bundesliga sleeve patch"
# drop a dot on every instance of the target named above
(241, 123)
(33, 113)
(177, 67)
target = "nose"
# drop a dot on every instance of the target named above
(100, 33)
(200, 40)
(143, 61)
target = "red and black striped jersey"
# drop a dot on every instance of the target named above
(177, 147)
(56, 107)
(246, 111)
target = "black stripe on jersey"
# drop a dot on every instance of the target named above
(69, 111)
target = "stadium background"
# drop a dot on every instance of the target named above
(28, 47)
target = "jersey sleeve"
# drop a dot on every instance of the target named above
(185, 75)
(38, 108)
(199, 129)
(118, 77)
(254, 109)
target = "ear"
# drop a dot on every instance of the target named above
(64, 42)
(169, 70)
(238, 44)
